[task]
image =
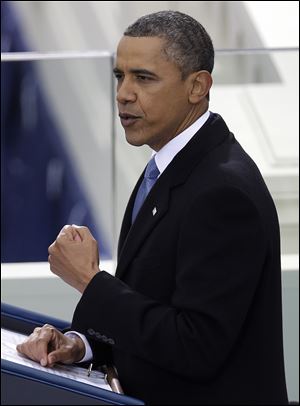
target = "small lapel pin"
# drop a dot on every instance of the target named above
(154, 211)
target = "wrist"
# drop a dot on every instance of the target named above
(88, 277)
(78, 347)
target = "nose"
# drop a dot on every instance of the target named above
(125, 92)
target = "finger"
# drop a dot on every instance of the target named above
(76, 236)
(83, 232)
(55, 356)
(63, 355)
(70, 350)
(66, 232)
(19, 348)
(37, 329)
(42, 339)
(45, 337)
(70, 233)
(51, 248)
(64, 229)
(35, 349)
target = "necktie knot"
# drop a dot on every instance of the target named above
(151, 171)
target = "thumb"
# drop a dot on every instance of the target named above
(55, 356)
(77, 236)
(82, 231)
(64, 355)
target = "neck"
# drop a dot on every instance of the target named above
(193, 115)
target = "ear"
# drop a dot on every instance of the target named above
(201, 83)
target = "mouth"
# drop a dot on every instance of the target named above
(128, 119)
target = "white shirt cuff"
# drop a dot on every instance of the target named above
(88, 356)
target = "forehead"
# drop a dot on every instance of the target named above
(141, 52)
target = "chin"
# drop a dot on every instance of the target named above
(134, 141)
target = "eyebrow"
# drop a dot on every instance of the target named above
(137, 72)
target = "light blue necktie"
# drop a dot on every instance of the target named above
(150, 177)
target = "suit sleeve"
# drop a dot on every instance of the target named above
(220, 257)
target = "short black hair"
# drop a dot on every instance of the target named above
(188, 44)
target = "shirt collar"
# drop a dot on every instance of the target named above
(165, 155)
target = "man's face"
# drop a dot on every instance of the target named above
(152, 97)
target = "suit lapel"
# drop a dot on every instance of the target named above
(152, 211)
(156, 204)
(126, 223)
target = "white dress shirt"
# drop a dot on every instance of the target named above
(165, 155)
(162, 159)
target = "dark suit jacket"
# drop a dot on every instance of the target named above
(194, 314)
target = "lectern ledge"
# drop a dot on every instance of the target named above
(23, 385)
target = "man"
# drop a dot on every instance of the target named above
(193, 315)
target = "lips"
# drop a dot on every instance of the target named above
(128, 119)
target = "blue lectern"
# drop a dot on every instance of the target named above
(22, 385)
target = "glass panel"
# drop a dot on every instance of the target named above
(260, 103)
(56, 146)
(257, 94)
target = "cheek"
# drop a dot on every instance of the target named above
(167, 103)
(158, 107)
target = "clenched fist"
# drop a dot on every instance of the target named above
(74, 256)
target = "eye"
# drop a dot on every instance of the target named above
(118, 76)
(143, 78)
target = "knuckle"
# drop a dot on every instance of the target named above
(20, 347)
(46, 331)
(48, 326)
(64, 229)
(83, 228)
(51, 248)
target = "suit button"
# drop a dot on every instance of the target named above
(91, 331)
(111, 341)
(98, 336)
